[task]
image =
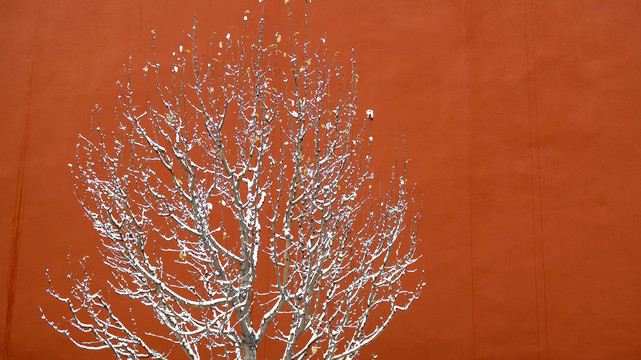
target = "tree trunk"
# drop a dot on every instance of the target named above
(249, 352)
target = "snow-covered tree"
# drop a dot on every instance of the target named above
(235, 206)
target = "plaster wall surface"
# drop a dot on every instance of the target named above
(522, 123)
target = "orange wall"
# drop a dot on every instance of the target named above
(522, 122)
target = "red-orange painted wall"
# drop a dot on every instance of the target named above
(523, 124)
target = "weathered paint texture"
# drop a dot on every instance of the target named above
(523, 126)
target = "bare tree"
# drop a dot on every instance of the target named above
(234, 202)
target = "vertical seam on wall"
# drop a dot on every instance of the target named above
(532, 181)
(141, 5)
(468, 55)
(535, 171)
(18, 213)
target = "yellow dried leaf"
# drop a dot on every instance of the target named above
(278, 37)
(183, 255)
